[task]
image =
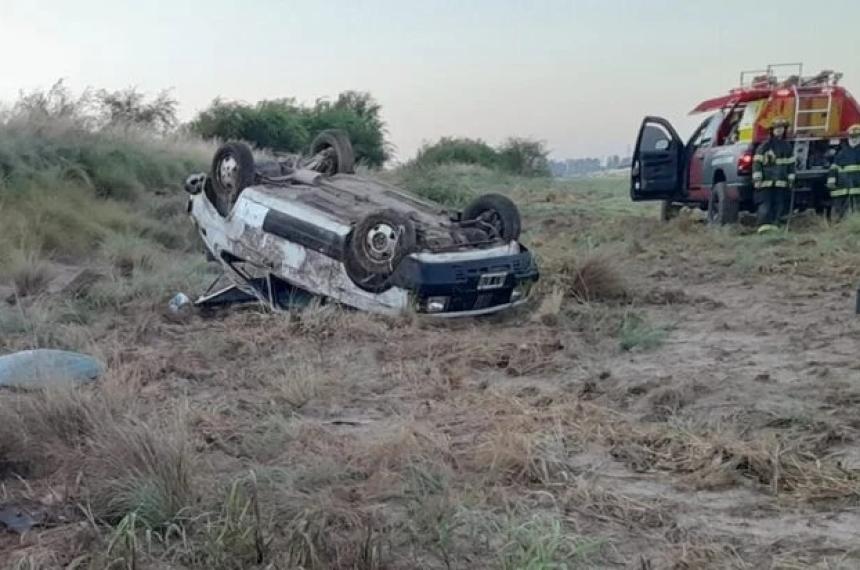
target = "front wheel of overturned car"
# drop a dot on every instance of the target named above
(496, 212)
(380, 241)
(331, 153)
(233, 170)
(722, 207)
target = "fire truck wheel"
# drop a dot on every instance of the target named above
(722, 209)
(669, 210)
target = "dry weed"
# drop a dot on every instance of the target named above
(594, 278)
(712, 459)
(28, 273)
(146, 468)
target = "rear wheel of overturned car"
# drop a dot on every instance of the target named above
(232, 171)
(378, 243)
(496, 213)
(722, 207)
(331, 153)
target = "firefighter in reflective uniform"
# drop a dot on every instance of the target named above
(773, 175)
(844, 179)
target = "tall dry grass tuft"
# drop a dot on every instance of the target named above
(27, 272)
(48, 431)
(141, 467)
(595, 278)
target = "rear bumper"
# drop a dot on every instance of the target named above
(468, 287)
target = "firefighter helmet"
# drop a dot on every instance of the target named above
(854, 130)
(779, 122)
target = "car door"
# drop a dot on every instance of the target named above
(698, 151)
(658, 162)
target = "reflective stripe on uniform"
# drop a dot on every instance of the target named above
(831, 181)
(839, 193)
(756, 175)
(782, 161)
(851, 168)
(854, 191)
(758, 157)
(780, 184)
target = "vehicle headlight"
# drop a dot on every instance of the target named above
(520, 292)
(436, 304)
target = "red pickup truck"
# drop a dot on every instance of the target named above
(713, 169)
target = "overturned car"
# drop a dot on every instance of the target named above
(288, 228)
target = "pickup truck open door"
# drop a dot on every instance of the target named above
(657, 172)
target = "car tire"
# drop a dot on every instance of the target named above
(233, 170)
(499, 212)
(722, 208)
(669, 210)
(342, 157)
(380, 241)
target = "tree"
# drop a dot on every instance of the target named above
(129, 107)
(286, 126)
(525, 157)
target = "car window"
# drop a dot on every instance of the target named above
(655, 138)
(704, 135)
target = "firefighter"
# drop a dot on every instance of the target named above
(844, 179)
(773, 175)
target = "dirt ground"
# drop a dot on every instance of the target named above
(693, 406)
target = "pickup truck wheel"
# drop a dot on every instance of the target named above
(498, 212)
(668, 210)
(233, 170)
(331, 153)
(380, 241)
(722, 208)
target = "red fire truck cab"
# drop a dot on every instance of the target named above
(713, 169)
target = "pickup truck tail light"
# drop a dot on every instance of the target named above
(745, 163)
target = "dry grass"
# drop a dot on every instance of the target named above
(714, 460)
(27, 272)
(595, 278)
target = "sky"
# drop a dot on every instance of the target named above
(578, 74)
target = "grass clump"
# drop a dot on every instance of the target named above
(28, 274)
(636, 333)
(144, 469)
(542, 543)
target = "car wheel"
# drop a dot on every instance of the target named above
(669, 210)
(495, 212)
(331, 153)
(232, 171)
(380, 241)
(722, 208)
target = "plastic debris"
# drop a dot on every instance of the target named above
(45, 368)
(18, 520)
(179, 303)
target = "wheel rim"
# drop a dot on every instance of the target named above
(494, 220)
(325, 161)
(228, 173)
(381, 242)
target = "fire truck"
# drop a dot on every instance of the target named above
(713, 169)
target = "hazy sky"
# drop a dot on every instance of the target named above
(577, 74)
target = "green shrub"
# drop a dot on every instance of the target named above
(283, 125)
(518, 156)
(524, 157)
(449, 150)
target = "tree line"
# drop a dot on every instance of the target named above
(282, 125)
